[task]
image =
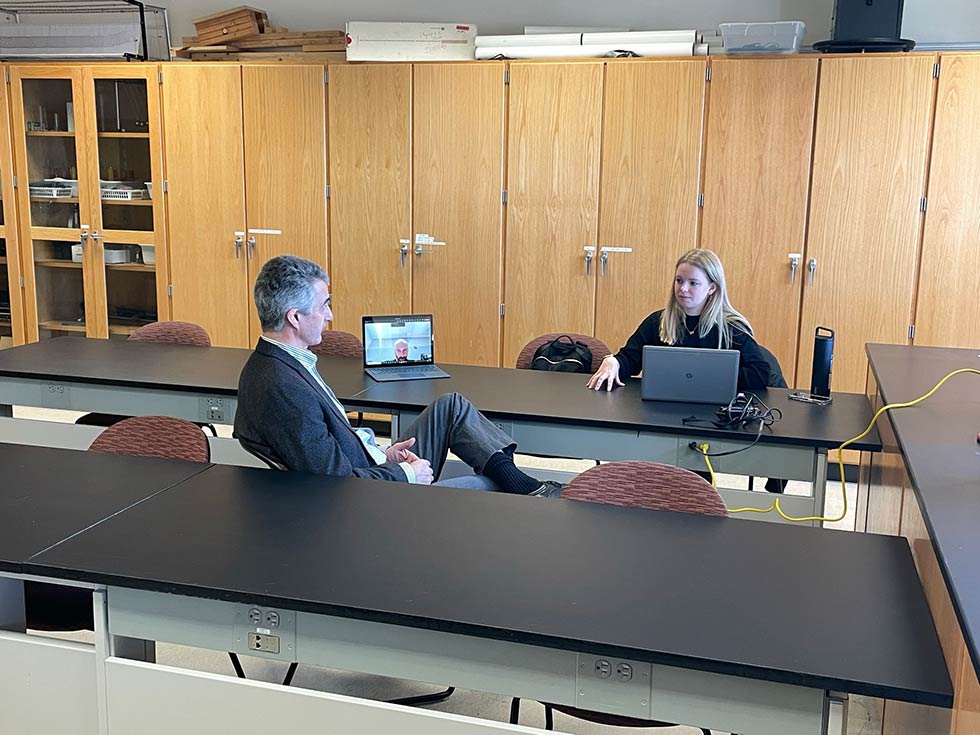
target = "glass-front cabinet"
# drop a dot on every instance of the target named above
(11, 299)
(87, 141)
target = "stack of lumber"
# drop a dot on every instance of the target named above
(244, 34)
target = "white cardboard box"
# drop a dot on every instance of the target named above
(371, 41)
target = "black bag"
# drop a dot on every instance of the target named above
(563, 355)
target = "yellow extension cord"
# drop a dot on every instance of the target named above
(840, 457)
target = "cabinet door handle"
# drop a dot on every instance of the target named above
(603, 259)
(403, 251)
(589, 255)
(250, 247)
(239, 240)
(812, 268)
(95, 235)
(794, 265)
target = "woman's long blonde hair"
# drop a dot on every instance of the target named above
(717, 312)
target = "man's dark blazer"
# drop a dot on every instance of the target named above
(285, 415)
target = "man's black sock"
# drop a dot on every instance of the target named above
(501, 469)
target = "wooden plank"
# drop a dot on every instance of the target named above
(258, 57)
(315, 47)
(301, 35)
(223, 13)
(231, 33)
(335, 43)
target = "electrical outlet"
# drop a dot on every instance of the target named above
(272, 619)
(603, 669)
(263, 642)
(55, 388)
(255, 616)
(624, 672)
(213, 409)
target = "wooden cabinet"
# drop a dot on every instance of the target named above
(12, 330)
(554, 130)
(758, 143)
(285, 168)
(230, 131)
(202, 113)
(869, 165)
(370, 144)
(947, 313)
(88, 146)
(458, 142)
(648, 202)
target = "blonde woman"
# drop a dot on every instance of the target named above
(698, 314)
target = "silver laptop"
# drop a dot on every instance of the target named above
(399, 347)
(689, 374)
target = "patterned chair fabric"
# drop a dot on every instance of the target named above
(339, 344)
(155, 436)
(598, 347)
(647, 485)
(177, 333)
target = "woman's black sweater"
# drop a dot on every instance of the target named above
(753, 368)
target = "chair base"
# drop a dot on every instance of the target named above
(600, 718)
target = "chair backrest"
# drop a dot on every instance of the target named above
(176, 333)
(339, 344)
(776, 379)
(597, 346)
(155, 436)
(647, 485)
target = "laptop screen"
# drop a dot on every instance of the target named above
(397, 340)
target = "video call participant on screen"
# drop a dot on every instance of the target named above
(286, 411)
(698, 314)
(401, 351)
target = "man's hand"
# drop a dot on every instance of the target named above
(423, 471)
(398, 452)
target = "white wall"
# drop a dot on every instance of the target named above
(510, 16)
(942, 21)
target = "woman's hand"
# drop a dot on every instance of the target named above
(607, 373)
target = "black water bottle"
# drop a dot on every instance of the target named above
(823, 362)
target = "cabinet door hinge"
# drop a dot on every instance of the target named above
(15, 182)
(501, 310)
(707, 74)
(159, 77)
(327, 191)
(6, 74)
(935, 70)
(503, 196)
(911, 331)
(700, 200)
(170, 289)
(923, 203)
(22, 281)
(506, 76)
(165, 187)
(326, 77)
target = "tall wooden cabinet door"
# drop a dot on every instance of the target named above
(285, 167)
(756, 180)
(648, 202)
(49, 122)
(369, 132)
(458, 136)
(204, 159)
(869, 159)
(554, 131)
(12, 330)
(947, 314)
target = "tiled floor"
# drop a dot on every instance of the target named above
(864, 714)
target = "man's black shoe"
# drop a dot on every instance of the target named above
(548, 489)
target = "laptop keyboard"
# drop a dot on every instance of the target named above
(416, 370)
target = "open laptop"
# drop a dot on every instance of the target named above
(689, 374)
(399, 347)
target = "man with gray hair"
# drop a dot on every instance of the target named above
(288, 414)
